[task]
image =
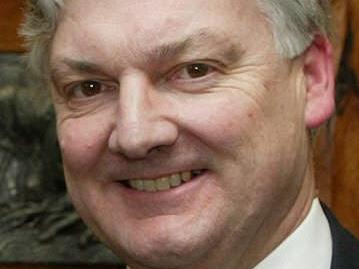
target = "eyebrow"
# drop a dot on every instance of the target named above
(60, 68)
(201, 42)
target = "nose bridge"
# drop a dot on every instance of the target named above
(134, 104)
(139, 125)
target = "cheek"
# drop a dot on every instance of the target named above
(256, 128)
(223, 122)
(82, 143)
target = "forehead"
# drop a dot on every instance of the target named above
(137, 26)
(156, 17)
(125, 11)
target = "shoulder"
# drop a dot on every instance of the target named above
(345, 245)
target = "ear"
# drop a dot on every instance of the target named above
(320, 85)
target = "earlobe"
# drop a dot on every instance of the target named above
(319, 73)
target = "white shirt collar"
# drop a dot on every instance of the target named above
(309, 246)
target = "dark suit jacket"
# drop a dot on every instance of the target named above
(345, 246)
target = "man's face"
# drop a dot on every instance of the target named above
(168, 91)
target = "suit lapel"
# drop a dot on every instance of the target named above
(345, 246)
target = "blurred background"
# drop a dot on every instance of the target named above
(38, 226)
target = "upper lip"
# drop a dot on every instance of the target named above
(118, 169)
(153, 175)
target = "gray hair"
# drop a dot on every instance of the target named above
(294, 22)
(38, 29)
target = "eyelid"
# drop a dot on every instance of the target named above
(70, 87)
(195, 85)
(214, 64)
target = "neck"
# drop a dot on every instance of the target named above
(292, 219)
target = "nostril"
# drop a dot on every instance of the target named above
(128, 149)
(157, 149)
(135, 139)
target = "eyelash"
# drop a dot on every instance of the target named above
(214, 67)
(210, 63)
(211, 68)
(70, 90)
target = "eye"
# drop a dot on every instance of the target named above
(87, 89)
(196, 76)
(194, 71)
(197, 70)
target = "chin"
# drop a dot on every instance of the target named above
(166, 247)
(170, 255)
(158, 252)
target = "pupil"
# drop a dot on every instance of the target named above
(198, 70)
(90, 88)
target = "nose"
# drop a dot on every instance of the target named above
(141, 123)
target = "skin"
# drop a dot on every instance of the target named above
(244, 120)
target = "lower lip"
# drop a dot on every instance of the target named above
(173, 194)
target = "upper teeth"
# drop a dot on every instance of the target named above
(163, 183)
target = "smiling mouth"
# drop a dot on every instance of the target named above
(162, 183)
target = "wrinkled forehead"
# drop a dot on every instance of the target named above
(126, 10)
(158, 15)
(145, 22)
